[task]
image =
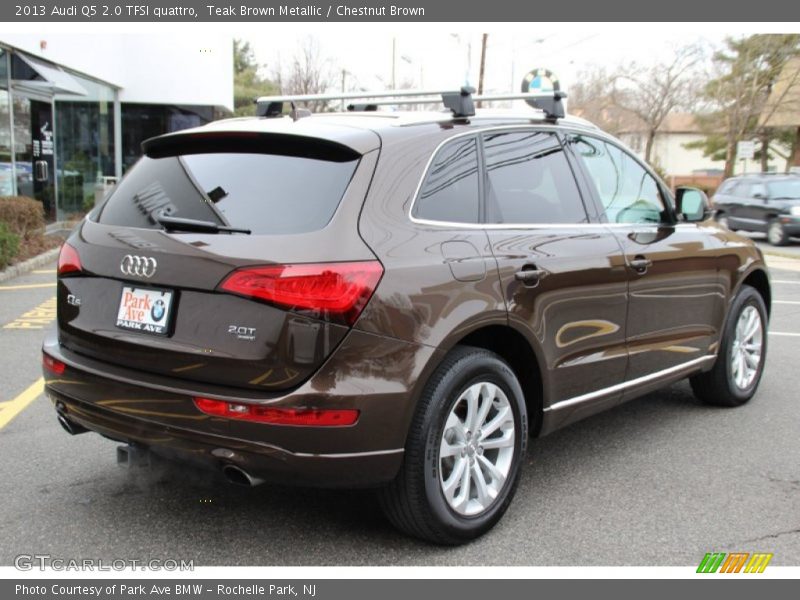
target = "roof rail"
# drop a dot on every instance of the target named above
(459, 102)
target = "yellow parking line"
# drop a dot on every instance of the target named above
(28, 286)
(44, 271)
(10, 409)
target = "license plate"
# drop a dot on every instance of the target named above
(145, 309)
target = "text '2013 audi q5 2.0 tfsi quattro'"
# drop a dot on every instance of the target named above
(393, 300)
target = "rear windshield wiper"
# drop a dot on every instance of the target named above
(196, 225)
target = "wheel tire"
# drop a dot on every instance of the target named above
(776, 234)
(718, 386)
(723, 221)
(415, 502)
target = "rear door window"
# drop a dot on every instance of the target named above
(529, 180)
(265, 193)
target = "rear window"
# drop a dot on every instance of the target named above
(265, 193)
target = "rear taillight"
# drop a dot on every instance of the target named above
(333, 291)
(54, 366)
(68, 260)
(307, 417)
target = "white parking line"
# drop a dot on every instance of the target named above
(786, 281)
(785, 302)
(784, 333)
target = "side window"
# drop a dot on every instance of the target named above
(529, 180)
(450, 189)
(758, 189)
(628, 192)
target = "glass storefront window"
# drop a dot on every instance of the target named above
(6, 164)
(143, 121)
(84, 146)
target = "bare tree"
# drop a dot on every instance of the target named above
(592, 98)
(308, 73)
(651, 92)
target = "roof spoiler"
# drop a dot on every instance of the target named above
(461, 103)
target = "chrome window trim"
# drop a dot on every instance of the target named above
(502, 128)
(627, 384)
(510, 226)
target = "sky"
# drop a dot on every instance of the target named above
(444, 57)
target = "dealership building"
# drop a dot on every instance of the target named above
(74, 109)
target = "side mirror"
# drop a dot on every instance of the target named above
(692, 204)
(759, 196)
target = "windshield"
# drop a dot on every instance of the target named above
(787, 188)
(263, 193)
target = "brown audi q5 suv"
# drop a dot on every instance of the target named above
(393, 300)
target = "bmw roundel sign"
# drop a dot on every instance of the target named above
(539, 81)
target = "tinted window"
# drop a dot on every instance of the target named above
(450, 190)
(529, 180)
(266, 193)
(785, 189)
(628, 192)
(759, 189)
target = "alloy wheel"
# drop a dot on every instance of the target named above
(746, 349)
(476, 451)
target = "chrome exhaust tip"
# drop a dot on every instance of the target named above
(70, 427)
(238, 476)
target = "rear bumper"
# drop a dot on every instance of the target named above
(376, 375)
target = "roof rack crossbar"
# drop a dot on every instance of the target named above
(460, 102)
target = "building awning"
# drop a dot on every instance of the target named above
(31, 75)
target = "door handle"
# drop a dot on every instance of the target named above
(530, 275)
(640, 263)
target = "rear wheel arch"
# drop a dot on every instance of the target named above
(516, 350)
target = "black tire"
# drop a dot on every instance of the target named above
(414, 502)
(717, 386)
(776, 233)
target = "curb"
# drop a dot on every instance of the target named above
(29, 265)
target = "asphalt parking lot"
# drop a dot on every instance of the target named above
(659, 481)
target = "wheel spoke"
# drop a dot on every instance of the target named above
(506, 441)
(449, 487)
(455, 425)
(487, 400)
(497, 476)
(503, 416)
(460, 503)
(481, 489)
(473, 398)
(446, 449)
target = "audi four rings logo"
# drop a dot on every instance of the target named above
(140, 266)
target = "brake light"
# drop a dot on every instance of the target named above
(308, 417)
(338, 291)
(68, 260)
(56, 367)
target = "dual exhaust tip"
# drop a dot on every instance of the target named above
(129, 456)
(238, 476)
(71, 427)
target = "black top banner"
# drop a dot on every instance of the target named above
(400, 11)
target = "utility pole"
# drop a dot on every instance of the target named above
(344, 76)
(394, 61)
(483, 67)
